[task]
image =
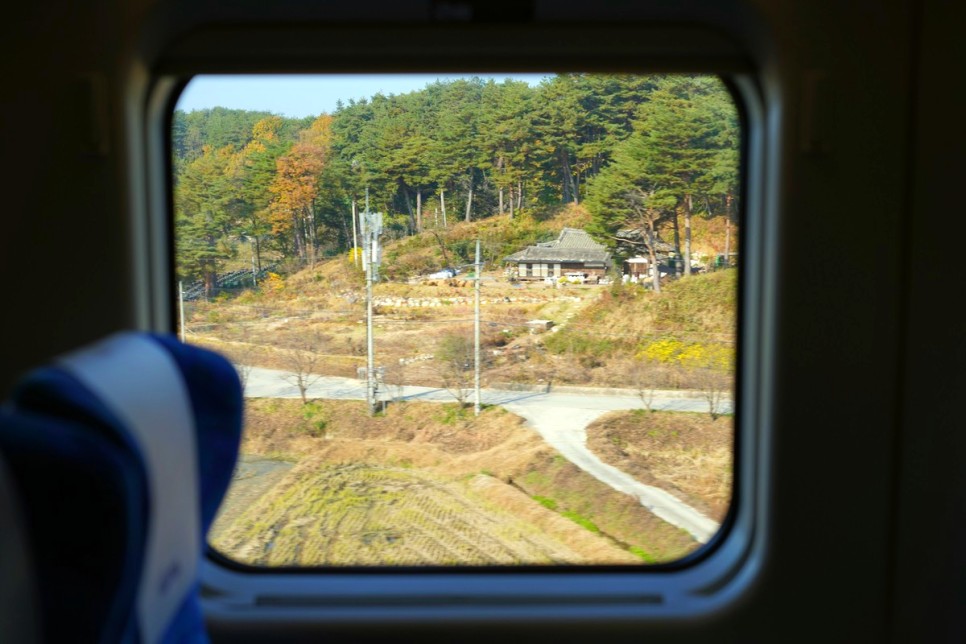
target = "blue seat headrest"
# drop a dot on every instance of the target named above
(121, 453)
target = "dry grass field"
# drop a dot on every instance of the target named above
(425, 484)
(689, 455)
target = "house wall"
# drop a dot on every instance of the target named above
(540, 270)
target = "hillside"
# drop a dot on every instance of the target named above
(601, 335)
(325, 484)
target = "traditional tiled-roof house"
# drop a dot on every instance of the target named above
(574, 251)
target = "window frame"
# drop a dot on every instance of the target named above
(717, 574)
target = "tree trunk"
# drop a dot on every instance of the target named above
(727, 249)
(652, 254)
(520, 195)
(310, 234)
(297, 234)
(345, 231)
(677, 232)
(511, 202)
(409, 206)
(419, 210)
(501, 201)
(688, 207)
(254, 270)
(442, 205)
(565, 175)
(211, 280)
(469, 197)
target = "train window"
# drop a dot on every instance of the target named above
(481, 320)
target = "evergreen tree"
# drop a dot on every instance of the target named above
(203, 222)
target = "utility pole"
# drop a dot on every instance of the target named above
(181, 307)
(370, 352)
(476, 332)
(372, 227)
(355, 242)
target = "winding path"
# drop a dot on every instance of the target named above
(560, 418)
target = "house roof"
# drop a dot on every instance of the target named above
(572, 245)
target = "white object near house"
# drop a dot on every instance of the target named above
(540, 325)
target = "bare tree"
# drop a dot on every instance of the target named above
(715, 386)
(711, 370)
(643, 378)
(395, 378)
(303, 359)
(454, 362)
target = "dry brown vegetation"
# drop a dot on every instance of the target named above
(689, 455)
(599, 334)
(426, 484)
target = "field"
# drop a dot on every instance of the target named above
(425, 484)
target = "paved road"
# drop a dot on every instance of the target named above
(560, 418)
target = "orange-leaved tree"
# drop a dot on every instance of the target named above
(296, 186)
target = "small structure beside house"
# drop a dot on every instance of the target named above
(574, 251)
(637, 269)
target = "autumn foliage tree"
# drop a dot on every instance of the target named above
(296, 187)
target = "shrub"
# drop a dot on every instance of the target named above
(317, 419)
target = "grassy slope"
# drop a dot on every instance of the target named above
(689, 455)
(606, 340)
(425, 485)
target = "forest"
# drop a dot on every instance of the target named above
(643, 154)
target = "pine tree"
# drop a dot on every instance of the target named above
(203, 222)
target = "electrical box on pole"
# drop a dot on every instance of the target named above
(371, 250)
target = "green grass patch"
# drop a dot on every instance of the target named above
(581, 520)
(546, 502)
(453, 413)
(642, 554)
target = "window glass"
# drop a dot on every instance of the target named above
(480, 320)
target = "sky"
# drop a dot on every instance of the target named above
(298, 96)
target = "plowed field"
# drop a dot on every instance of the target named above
(423, 484)
(374, 515)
